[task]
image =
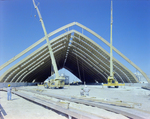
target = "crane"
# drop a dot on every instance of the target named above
(111, 81)
(58, 82)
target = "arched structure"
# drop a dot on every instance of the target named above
(73, 51)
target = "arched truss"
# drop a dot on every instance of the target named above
(73, 51)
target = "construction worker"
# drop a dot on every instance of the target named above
(86, 90)
(102, 85)
(9, 92)
(82, 92)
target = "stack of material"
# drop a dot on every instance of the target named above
(146, 87)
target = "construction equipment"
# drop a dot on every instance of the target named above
(55, 83)
(58, 82)
(113, 82)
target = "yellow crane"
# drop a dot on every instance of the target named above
(111, 81)
(58, 82)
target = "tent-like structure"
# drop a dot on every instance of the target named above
(73, 51)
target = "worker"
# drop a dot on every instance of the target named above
(9, 92)
(86, 90)
(102, 85)
(82, 92)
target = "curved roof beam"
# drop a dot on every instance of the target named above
(117, 51)
(35, 44)
(89, 62)
(63, 28)
(105, 53)
(95, 57)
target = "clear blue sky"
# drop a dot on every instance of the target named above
(131, 25)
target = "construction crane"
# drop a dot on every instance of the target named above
(58, 82)
(111, 81)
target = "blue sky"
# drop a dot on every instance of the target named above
(19, 28)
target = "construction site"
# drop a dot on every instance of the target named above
(107, 88)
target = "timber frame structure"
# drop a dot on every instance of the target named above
(73, 51)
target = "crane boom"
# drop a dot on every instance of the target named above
(48, 43)
(111, 52)
(111, 80)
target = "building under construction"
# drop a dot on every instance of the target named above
(84, 58)
(73, 51)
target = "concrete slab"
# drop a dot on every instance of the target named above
(20, 108)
